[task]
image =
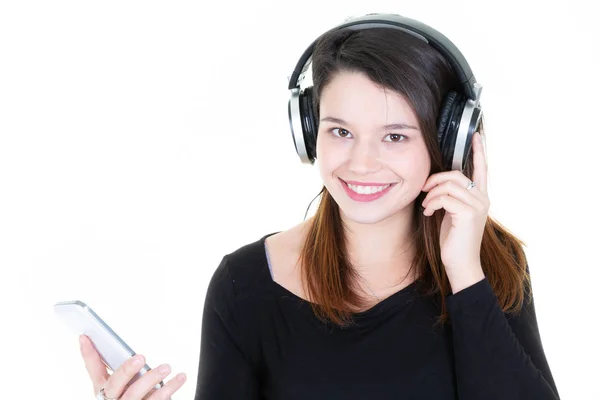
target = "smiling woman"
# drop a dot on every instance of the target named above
(401, 285)
(365, 152)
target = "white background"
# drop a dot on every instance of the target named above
(141, 141)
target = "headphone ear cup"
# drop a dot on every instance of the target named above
(445, 114)
(309, 123)
(448, 124)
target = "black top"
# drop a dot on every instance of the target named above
(261, 341)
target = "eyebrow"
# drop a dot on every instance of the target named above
(389, 126)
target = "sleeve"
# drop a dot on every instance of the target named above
(497, 356)
(224, 371)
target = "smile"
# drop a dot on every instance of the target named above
(366, 191)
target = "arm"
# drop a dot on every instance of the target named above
(497, 356)
(224, 371)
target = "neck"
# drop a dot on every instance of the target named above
(382, 252)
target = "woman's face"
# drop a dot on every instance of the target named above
(358, 143)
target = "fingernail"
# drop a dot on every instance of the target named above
(181, 377)
(138, 361)
(164, 368)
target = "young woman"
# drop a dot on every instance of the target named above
(400, 286)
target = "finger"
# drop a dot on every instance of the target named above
(93, 363)
(471, 197)
(480, 169)
(117, 383)
(170, 387)
(442, 177)
(448, 203)
(145, 385)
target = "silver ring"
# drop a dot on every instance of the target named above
(471, 185)
(102, 396)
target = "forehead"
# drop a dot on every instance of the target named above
(352, 96)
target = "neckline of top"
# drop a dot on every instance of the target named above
(399, 297)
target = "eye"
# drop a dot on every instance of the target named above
(396, 137)
(341, 132)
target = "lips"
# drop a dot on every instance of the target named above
(365, 197)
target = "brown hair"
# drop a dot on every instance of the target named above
(399, 62)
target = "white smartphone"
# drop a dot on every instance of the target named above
(113, 350)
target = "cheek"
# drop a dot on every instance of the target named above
(412, 166)
(329, 155)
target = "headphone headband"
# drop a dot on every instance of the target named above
(418, 29)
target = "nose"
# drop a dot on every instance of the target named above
(364, 157)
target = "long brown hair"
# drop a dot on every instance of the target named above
(398, 61)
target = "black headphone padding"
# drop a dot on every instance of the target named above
(449, 120)
(309, 123)
(444, 114)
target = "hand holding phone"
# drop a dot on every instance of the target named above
(101, 347)
(119, 384)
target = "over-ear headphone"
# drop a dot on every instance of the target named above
(460, 113)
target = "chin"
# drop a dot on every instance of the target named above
(366, 218)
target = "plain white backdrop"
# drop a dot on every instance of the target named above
(141, 141)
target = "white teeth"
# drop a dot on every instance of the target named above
(367, 189)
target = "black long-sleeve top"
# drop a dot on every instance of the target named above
(261, 341)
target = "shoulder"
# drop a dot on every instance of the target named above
(240, 268)
(239, 273)
(247, 266)
(243, 274)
